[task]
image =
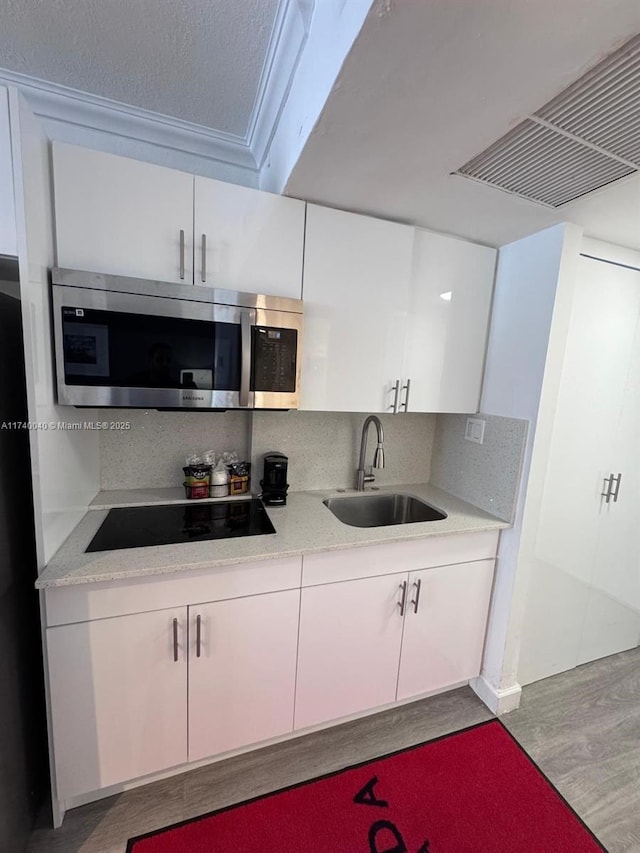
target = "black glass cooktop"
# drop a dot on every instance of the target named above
(133, 527)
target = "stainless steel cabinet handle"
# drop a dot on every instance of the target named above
(181, 254)
(203, 271)
(175, 640)
(606, 494)
(396, 393)
(403, 600)
(245, 370)
(198, 635)
(406, 388)
(617, 487)
(416, 601)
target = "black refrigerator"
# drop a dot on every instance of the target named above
(23, 741)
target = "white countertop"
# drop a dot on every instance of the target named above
(303, 526)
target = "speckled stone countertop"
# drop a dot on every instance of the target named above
(303, 526)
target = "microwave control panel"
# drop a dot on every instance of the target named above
(274, 359)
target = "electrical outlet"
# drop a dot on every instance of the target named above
(475, 430)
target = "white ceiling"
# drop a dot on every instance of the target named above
(196, 60)
(428, 85)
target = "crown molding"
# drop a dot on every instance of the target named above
(288, 38)
(93, 112)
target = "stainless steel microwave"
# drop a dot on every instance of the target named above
(129, 342)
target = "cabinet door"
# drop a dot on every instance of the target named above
(121, 216)
(451, 288)
(612, 618)
(253, 240)
(444, 626)
(118, 699)
(356, 292)
(242, 685)
(349, 648)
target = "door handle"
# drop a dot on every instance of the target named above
(416, 601)
(175, 640)
(403, 600)
(203, 267)
(606, 485)
(181, 254)
(395, 389)
(616, 480)
(198, 635)
(245, 370)
(406, 388)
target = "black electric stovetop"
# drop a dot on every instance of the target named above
(134, 527)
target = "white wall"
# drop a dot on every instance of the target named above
(334, 27)
(65, 464)
(528, 274)
(8, 239)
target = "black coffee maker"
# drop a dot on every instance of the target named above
(274, 483)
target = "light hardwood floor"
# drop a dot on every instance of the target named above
(582, 728)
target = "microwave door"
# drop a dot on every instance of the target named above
(119, 349)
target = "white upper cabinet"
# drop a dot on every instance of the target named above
(248, 240)
(451, 289)
(125, 217)
(122, 216)
(356, 300)
(391, 307)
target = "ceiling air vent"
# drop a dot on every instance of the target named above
(585, 138)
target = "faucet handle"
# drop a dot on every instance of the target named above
(368, 476)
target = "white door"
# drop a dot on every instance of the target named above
(248, 240)
(118, 698)
(611, 620)
(349, 648)
(450, 304)
(122, 216)
(356, 294)
(581, 592)
(241, 686)
(444, 626)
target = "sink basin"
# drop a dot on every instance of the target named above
(381, 510)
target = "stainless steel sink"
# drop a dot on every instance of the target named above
(381, 510)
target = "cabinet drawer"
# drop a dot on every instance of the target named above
(82, 602)
(374, 560)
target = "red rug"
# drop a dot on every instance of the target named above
(475, 791)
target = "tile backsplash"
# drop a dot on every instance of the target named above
(323, 447)
(151, 454)
(486, 475)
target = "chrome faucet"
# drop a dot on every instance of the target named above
(378, 458)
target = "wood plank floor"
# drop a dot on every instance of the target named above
(582, 728)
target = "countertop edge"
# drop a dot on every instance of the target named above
(66, 568)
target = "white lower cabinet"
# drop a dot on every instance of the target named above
(370, 642)
(350, 635)
(444, 626)
(278, 646)
(242, 671)
(117, 698)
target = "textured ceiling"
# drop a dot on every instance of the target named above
(197, 60)
(430, 83)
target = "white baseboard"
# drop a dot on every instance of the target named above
(498, 701)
